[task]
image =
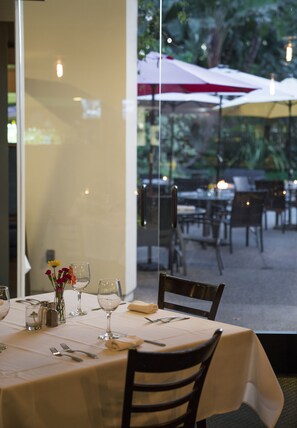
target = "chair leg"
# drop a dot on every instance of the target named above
(265, 214)
(247, 236)
(230, 240)
(219, 259)
(261, 240)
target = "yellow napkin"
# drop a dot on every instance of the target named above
(123, 343)
(139, 306)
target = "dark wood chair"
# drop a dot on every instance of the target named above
(246, 212)
(208, 296)
(174, 395)
(275, 200)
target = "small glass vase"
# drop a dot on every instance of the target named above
(60, 306)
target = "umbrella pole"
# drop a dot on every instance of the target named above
(288, 153)
(171, 144)
(219, 148)
(151, 152)
(288, 148)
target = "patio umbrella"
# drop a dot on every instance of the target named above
(260, 103)
(248, 78)
(160, 74)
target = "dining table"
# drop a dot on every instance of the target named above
(40, 390)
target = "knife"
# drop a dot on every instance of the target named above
(152, 342)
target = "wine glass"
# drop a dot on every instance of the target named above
(109, 297)
(4, 306)
(81, 278)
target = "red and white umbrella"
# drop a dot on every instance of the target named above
(158, 74)
(162, 73)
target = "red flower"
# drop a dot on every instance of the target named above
(59, 280)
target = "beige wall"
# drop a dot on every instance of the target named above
(81, 173)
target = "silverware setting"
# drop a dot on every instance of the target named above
(71, 351)
(99, 308)
(57, 353)
(166, 320)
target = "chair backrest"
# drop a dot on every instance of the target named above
(247, 209)
(276, 197)
(190, 184)
(174, 395)
(242, 184)
(208, 294)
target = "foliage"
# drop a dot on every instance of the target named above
(249, 35)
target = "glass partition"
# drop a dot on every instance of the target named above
(203, 146)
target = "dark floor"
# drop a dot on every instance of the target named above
(247, 418)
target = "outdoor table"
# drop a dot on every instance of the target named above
(39, 390)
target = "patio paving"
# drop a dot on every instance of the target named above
(261, 288)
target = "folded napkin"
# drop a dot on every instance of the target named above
(139, 306)
(123, 343)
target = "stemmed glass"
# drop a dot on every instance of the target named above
(81, 278)
(4, 306)
(109, 297)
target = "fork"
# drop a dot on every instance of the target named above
(68, 349)
(57, 353)
(152, 321)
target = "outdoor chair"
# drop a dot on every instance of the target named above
(212, 225)
(275, 200)
(160, 233)
(246, 212)
(196, 293)
(166, 392)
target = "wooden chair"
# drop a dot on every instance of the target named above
(174, 395)
(194, 292)
(246, 212)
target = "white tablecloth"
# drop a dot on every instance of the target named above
(39, 390)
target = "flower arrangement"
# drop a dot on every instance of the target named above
(60, 279)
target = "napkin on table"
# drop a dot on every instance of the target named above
(139, 306)
(123, 343)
